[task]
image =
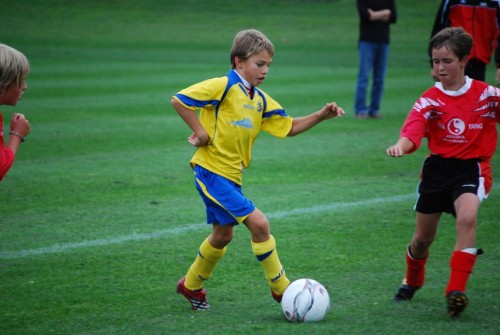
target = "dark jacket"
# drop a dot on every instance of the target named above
(375, 31)
(480, 18)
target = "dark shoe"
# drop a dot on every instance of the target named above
(457, 301)
(197, 298)
(405, 293)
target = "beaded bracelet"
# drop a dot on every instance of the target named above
(17, 134)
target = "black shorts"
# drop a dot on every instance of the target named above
(444, 180)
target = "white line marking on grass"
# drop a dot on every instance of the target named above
(338, 206)
(57, 248)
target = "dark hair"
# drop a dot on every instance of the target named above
(456, 39)
(249, 42)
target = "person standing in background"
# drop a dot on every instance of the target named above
(373, 45)
(481, 19)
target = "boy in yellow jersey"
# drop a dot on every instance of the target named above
(232, 113)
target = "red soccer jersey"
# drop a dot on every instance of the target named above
(6, 155)
(458, 124)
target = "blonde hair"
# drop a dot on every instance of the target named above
(14, 67)
(249, 42)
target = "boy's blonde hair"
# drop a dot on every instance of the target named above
(14, 67)
(249, 42)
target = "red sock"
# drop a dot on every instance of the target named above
(415, 270)
(461, 264)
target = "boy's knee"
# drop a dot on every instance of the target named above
(420, 246)
(220, 238)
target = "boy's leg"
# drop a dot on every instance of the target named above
(203, 266)
(464, 257)
(415, 269)
(414, 278)
(191, 286)
(417, 255)
(461, 264)
(267, 255)
(264, 248)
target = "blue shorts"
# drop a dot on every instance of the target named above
(223, 198)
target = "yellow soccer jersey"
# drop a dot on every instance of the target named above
(233, 121)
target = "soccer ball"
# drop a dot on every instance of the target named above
(305, 300)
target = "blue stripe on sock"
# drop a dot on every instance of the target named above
(260, 258)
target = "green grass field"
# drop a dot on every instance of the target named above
(99, 216)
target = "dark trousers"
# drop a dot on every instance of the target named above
(476, 69)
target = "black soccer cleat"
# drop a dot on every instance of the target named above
(405, 293)
(457, 301)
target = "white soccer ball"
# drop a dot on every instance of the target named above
(305, 300)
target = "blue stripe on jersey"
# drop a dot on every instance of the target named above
(263, 99)
(196, 103)
(275, 112)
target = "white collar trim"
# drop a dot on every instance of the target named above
(246, 83)
(460, 91)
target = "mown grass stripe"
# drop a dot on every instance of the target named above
(63, 247)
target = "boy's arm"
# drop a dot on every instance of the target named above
(301, 124)
(402, 146)
(199, 137)
(19, 129)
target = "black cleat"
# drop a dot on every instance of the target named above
(405, 293)
(457, 301)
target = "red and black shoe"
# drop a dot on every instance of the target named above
(197, 298)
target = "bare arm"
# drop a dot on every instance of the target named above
(19, 128)
(402, 146)
(199, 137)
(301, 124)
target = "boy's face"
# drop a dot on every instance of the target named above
(255, 68)
(448, 68)
(13, 94)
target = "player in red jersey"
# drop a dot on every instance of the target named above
(458, 116)
(14, 68)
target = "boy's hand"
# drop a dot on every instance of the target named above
(20, 124)
(395, 151)
(403, 146)
(197, 141)
(331, 110)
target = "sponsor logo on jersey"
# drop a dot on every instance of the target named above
(456, 126)
(245, 123)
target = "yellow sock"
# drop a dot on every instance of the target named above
(267, 255)
(203, 265)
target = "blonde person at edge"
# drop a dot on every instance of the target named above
(232, 113)
(458, 115)
(14, 69)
